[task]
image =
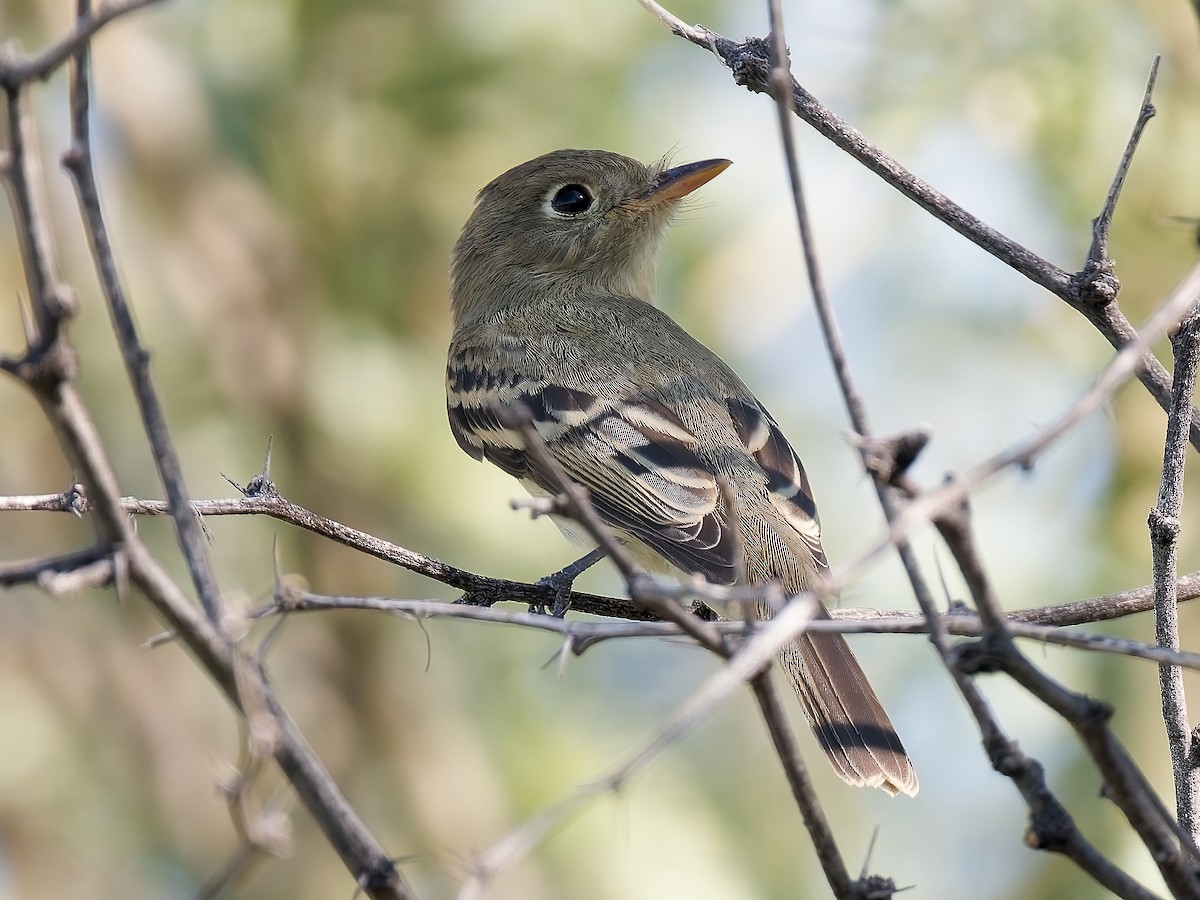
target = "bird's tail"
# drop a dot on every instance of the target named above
(846, 716)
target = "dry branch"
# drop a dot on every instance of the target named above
(1164, 543)
(1089, 292)
(47, 369)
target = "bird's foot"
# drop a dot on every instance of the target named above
(560, 582)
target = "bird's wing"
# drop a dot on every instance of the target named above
(637, 459)
(787, 484)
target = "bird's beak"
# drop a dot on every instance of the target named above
(680, 181)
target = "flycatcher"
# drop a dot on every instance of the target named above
(551, 290)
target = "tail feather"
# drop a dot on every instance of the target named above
(849, 722)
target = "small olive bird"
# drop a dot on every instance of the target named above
(551, 290)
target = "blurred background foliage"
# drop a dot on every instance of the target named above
(284, 180)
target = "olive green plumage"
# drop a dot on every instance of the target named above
(551, 292)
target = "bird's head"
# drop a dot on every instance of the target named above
(569, 221)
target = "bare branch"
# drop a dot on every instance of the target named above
(1025, 452)
(1128, 786)
(90, 567)
(78, 162)
(1124, 783)
(750, 64)
(1000, 750)
(819, 829)
(1097, 257)
(1004, 754)
(47, 370)
(16, 71)
(1109, 606)
(1164, 543)
(580, 636)
(1079, 612)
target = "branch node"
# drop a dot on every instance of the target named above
(1164, 529)
(977, 657)
(60, 302)
(1050, 828)
(1095, 713)
(558, 505)
(1096, 285)
(875, 887)
(75, 500)
(259, 486)
(1007, 757)
(1193, 754)
(888, 458)
(749, 62)
(381, 877)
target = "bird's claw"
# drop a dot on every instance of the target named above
(560, 583)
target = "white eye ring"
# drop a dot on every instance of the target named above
(570, 200)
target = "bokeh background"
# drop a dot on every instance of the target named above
(284, 180)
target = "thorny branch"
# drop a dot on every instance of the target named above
(485, 591)
(78, 162)
(1041, 623)
(750, 64)
(579, 636)
(1049, 819)
(47, 369)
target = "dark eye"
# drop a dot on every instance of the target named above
(571, 200)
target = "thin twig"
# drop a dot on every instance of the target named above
(489, 590)
(47, 370)
(16, 70)
(23, 177)
(831, 332)
(234, 870)
(78, 162)
(780, 80)
(582, 635)
(1164, 525)
(1097, 257)
(1108, 606)
(819, 830)
(49, 567)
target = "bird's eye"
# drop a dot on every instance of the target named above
(571, 200)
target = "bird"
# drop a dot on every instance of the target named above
(552, 289)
